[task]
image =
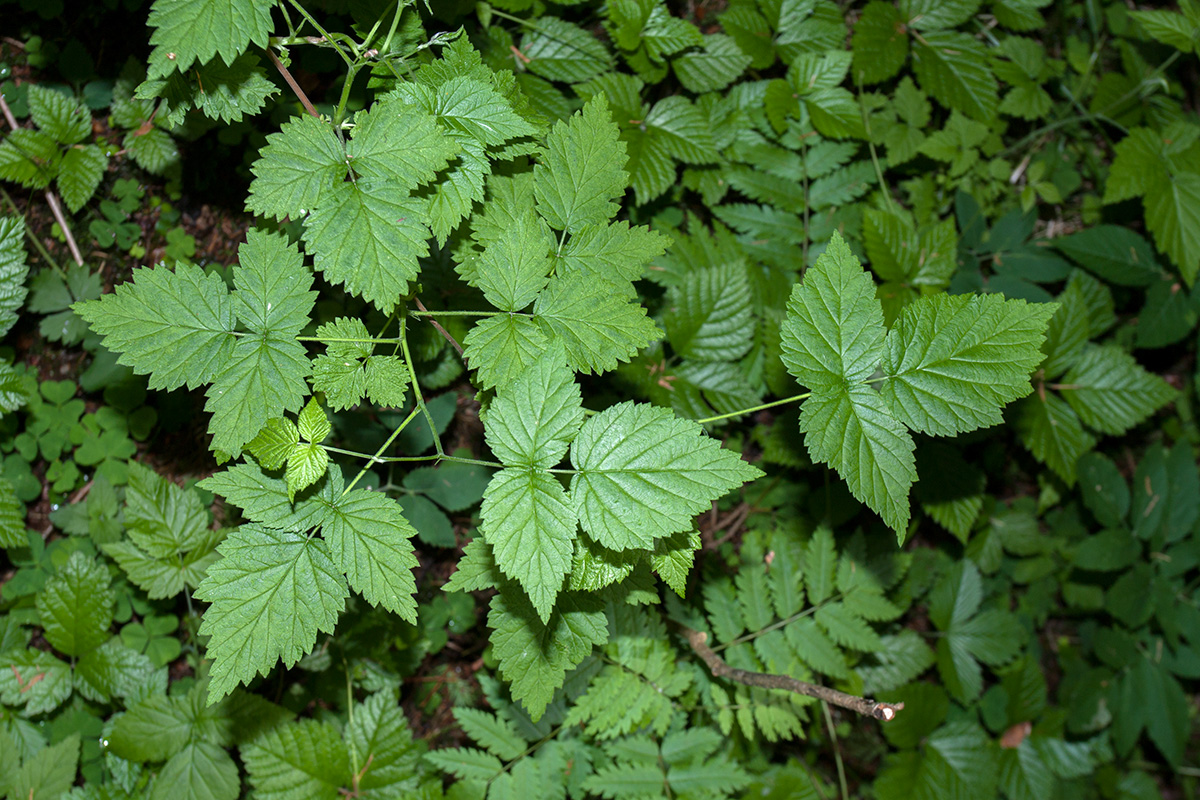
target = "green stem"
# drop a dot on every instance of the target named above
(419, 313)
(328, 37)
(375, 458)
(45, 254)
(327, 340)
(412, 376)
(752, 409)
(837, 751)
(866, 121)
(387, 42)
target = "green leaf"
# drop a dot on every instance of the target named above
(394, 142)
(466, 762)
(370, 540)
(112, 670)
(535, 656)
(1173, 216)
(175, 326)
(13, 270)
(50, 774)
(12, 517)
(264, 499)
(76, 606)
(274, 443)
(851, 429)
(1170, 28)
(225, 93)
(306, 465)
(560, 51)
(1051, 430)
(81, 171)
(271, 593)
(263, 378)
(272, 295)
(200, 771)
(672, 559)
(1067, 332)
(30, 158)
(298, 166)
(495, 733)
(516, 266)
(643, 474)
(582, 171)
(378, 734)
(34, 679)
(367, 236)
(500, 347)
(880, 45)
(530, 525)
(1112, 252)
(708, 316)
(154, 150)
(833, 332)
(712, 68)
(953, 362)
(305, 758)
(533, 420)
(597, 321)
(614, 252)
(58, 115)
(1111, 392)
(937, 14)
(186, 31)
(953, 68)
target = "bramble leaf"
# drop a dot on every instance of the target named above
(76, 606)
(533, 419)
(597, 321)
(1111, 392)
(582, 170)
(187, 31)
(953, 68)
(270, 594)
(643, 474)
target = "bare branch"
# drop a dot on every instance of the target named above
(862, 705)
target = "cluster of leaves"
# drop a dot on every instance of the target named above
(480, 183)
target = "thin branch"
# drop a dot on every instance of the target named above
(437, 326)
(287, 76)
(56, 210)
(862, 705)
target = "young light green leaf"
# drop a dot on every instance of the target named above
(852, 430)
(76, 606)
(583, 169)
(597, 321)
(833, 332)
(531, 527)
(175, 326)
(271, 593)
(535, 656)
(264, 499)
(643, 474)
(274, 443)
(371, 541)
(1111, 392)
(952, 362)
(379, 737)
(306, 465)
(533, 420)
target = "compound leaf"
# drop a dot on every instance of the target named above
(708, 314)
(1111, 392)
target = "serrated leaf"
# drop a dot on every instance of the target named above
(272, 294)
(371, 541)
(515, 266)
(13, 271)
(833, 332)
(111, 670)
(48, 774)
(643, 474)
(534, 656)
(58, 115)
(1051, 430)
(614, 252)
(1173, 216)
(76, 606)
(533, 419)
(270, 594)
(306, 759)
(495, 733)
(953, 68)
(153, 150)
(187, 31)
(367, 236)
(263, 378)
(582, 171)
(200, 771)
(852, 430)
(33, 679)
(1171, 28)
(264, 499)
(530, 525)
(712, 68)
(560, 51)
(386, 380)
(467, 763)
(708, 315)
(500, 347)
(296, 168)
(306, 465)
(1111, 392)
(1115, 253)
(222, 92)
(379, 736)
(30, 158)
(597, 322)
(274, 443)
(672, 559)
(879, 44)
(176, 326)
(952, 362)
(80, 174)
